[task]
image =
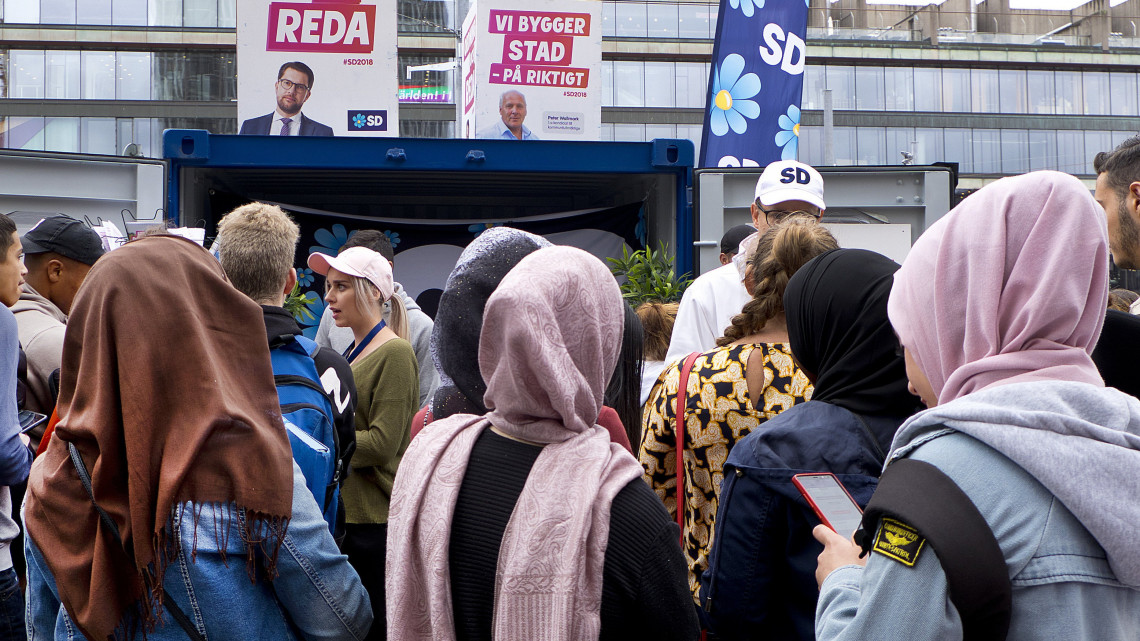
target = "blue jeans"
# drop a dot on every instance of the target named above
(11, 607)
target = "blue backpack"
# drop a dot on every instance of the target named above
(308, 415)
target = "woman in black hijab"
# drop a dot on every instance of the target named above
(836, 308)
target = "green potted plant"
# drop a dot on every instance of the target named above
(648, 275)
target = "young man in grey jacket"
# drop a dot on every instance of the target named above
(419, 323)
(59, 251)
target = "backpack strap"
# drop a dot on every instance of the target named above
(85, 478)
(310, 346)
(917, 503)
(679, 434)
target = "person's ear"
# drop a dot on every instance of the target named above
(757, 215)
(54, 271)
(1134, 200)
(290, 281)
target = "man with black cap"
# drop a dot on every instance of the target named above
(59, 251)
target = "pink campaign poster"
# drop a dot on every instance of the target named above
(532, 71)
(317, 68)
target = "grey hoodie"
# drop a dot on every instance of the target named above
(42, 326)
(419, 330)
(1080, 441)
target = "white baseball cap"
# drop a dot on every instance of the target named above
(786, 180)
(357, 261)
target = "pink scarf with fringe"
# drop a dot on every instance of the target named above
(550, 339)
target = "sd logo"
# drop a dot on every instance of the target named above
(795, 174)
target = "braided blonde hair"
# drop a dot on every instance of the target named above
(781, 251)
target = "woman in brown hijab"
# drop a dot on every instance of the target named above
(201, 523)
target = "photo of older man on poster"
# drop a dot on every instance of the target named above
(512, 113)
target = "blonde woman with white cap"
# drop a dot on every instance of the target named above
(358, 282)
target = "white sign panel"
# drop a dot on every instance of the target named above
(533, 73)
(317, 68)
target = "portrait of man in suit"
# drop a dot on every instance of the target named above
(293, 87)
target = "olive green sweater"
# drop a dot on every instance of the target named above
(388, 388)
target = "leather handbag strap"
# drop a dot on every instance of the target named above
(168, 601)
(922, 497)
(679, 434)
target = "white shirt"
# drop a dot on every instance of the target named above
(500, 131)
(294, 124)
(706, 309)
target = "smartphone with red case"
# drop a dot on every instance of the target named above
(831, 501)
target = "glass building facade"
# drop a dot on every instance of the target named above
(96, 75)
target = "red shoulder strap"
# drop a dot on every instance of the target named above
(679, 434)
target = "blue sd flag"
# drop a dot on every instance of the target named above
(753, 109)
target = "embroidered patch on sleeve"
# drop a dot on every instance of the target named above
(899, 541)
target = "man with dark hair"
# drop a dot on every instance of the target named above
(15, 457)
(60, 250)
(294, 86)
(419, 324)
(1118, 191)
(730, 241)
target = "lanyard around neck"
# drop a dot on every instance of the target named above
(352, 351)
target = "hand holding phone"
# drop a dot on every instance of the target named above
(29, 420)
(830, 501)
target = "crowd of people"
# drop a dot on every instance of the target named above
(543, 461)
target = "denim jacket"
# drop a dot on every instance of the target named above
(316, 595)
(1063, 587)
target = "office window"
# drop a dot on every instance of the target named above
(199, 13)
(655, 131)
(55, 11)
(607, 131)
(227, 14)
(61, 134)
(62, 75)
(194, 75)
(929, 148)
(1068, 92)
(21, 12)
(131, 13)
(899, 139)
(692, 84)
(164, 13)
(97, 12)
(899, 88)
(871, 142)
(844, 144)
(927, 89)
(629, 133)
(1042, 149)
(27, 69)
(607, 83)
(811, 145)
(987, 151)
(955, 90)
(1014, 91)
(1097, 93)
(958, 149)
(1120, 136)
(693, 21)
(630, 18)
(629, 88)
(98, 75)
(661, 19)
(609, 19)
(133, 77)
(841, 82)
(1122, 101)
(99, 136)
(1014, 151)
(660, 84)
(24, 133)
(869, 88)
(1071, 152)
(1041, 92)
(984, 91)
(814, 80)
(1095, 142)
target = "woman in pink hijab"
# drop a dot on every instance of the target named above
(528, 523)
(998, 307)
